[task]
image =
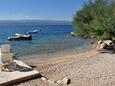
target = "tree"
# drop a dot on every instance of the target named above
(96, 20)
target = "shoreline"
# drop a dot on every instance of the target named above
(57, 54)
(88, 68)
(64, 58)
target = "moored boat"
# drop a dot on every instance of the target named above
(20, 37)
(32, 32)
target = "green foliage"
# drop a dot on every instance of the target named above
(96, 20)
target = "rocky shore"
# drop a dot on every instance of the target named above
(89, 68)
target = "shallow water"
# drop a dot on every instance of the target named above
(49, 39)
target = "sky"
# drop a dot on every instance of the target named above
(39, 9)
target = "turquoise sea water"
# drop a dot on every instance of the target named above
(51, 38)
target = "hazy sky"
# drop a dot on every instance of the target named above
(39, 9)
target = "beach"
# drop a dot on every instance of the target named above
(88, 68)
(57, 43)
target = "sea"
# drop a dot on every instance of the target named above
(52, 37)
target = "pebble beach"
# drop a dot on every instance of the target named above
(88, 68)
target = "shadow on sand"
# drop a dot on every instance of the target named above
(23, 68)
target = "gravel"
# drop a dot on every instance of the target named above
(90, 68)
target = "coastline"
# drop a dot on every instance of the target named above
(87, 50)
(88, 68)
(70, 51)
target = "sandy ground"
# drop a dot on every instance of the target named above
(89, 68)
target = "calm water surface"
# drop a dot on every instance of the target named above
(49, 39)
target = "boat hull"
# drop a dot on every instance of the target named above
(32, 32)
(20, 38)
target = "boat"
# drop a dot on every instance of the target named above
(20, 37)
(18, 34)
(32, 32)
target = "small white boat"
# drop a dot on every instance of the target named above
(32, 32)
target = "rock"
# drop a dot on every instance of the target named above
(108, 42)
(103, 46)
(59, 81)
(64, 81)
(72, 33)
(43, 78)
(99, 42)
(52, 81)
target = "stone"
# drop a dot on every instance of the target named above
(52, 81)
(99, 42)
(72, 33)
(59, 81)
(103, 46)
(43, 78)
(108, 42)
(66, 81)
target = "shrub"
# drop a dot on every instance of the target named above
(96, 20)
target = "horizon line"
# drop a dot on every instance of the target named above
(33, 20)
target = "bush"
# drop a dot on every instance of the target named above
(96, 20)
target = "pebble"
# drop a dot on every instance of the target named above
(43, 78)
